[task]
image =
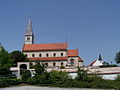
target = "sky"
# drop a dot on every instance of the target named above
(92, 26)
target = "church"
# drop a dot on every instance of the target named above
(51, 54)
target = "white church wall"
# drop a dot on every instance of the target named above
(50, 63)
(43, 53)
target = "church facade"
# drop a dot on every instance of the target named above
(51, 54)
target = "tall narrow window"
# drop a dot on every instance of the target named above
(47, 55)
(33, 55)
(40, 55)
(54, 54)
(54, 64)
(61, 54)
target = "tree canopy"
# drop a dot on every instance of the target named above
(117, 58)
(18, 56)
(5, 62)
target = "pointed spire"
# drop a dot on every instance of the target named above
(100, 57)
(29, 27)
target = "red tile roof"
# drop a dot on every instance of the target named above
(48, 58)
(40, 47)
(80, 60)
(73, 52)
(92, 63)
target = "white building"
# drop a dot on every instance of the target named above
(98, 62)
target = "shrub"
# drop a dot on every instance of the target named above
(31, 81)
(117, 78)
(8, 82)
(62, 67)
(25, 74)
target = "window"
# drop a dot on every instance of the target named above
(54, 54)
(33, 55)
(26, 55)
(61, 54)
(40, 55)
(54, 64)
(71, 61)
(61, 63)
(46, 64)
(47, 55)
(28, 38)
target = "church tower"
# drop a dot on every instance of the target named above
(29, 36)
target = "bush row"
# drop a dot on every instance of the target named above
(8, 82)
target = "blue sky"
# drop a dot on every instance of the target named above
(92, 26)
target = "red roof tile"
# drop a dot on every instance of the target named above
(73, 52)
(80, 60)
(40, 47)
(48, 58)
(92, 63)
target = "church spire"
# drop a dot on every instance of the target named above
(29, 36)
(100, 57)
(29, 27)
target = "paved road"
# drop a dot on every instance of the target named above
(43, 88)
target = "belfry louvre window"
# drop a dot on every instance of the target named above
(33, 55)
(28, 38)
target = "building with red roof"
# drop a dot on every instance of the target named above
(51, 54)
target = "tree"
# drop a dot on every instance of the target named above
(39, 69)
(5, 62)
(117, 58)
(81, 74)
(17, 56)
(59, 76)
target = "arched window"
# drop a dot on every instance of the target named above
(46, 64)
(54, 54)
(54, 64)
(71, 61)
(61, 54)
(40, 55)
(47, 55)
(61, 63)
(33, 55)
(26, 55)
